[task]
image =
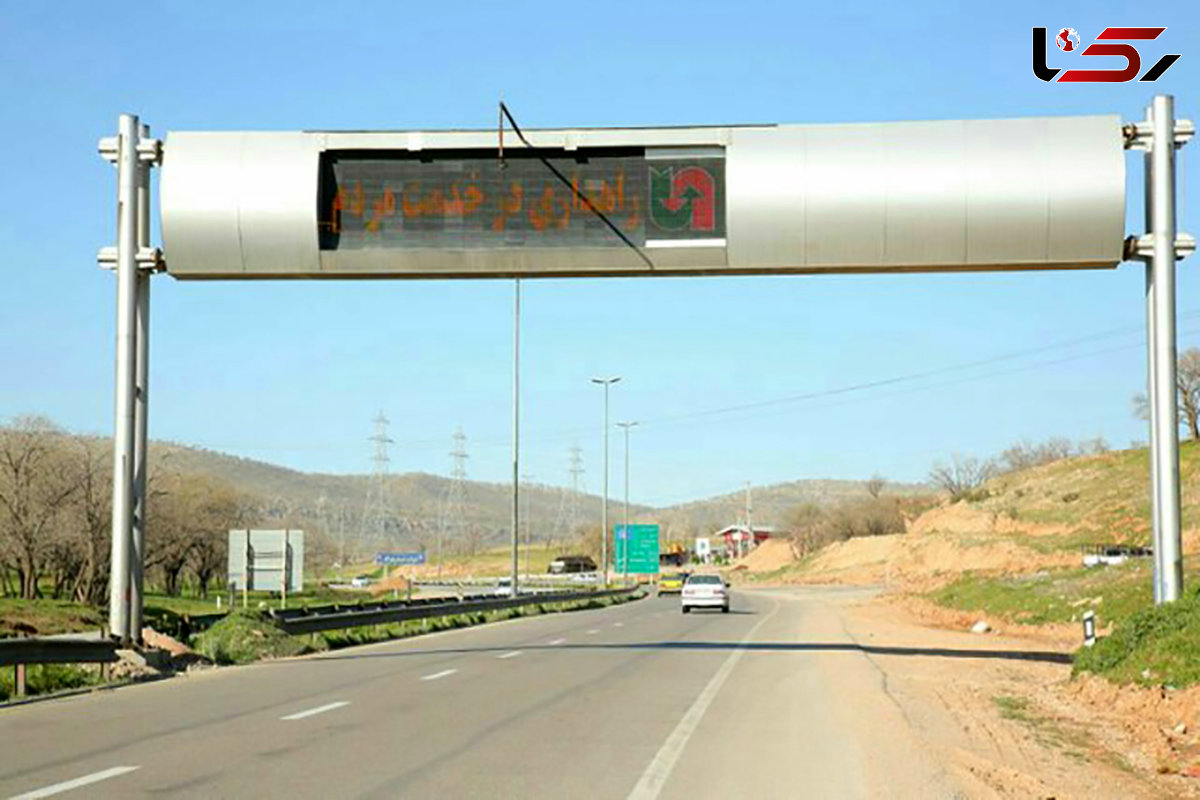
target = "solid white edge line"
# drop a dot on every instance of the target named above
(438, 675)
(510, 654)
(312, 712)
(651, 784)
(67, 786)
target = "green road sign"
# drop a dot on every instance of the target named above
(637, 544)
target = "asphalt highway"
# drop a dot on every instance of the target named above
(633, 701)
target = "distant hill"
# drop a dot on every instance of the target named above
(418, 500)
(335, 503)
(769, 504)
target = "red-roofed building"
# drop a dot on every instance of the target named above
(741, 539)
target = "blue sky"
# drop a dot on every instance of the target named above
(293, 372)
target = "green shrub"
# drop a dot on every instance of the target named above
(246, 636)
(1157, 645)
(46, 678)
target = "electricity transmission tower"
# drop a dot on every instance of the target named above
(574, 512)
(569, 513)
(377, 511)
(453, 521)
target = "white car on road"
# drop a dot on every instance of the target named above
(705, 591)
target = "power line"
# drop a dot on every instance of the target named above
(671, 419)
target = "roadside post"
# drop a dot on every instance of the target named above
(287, 573)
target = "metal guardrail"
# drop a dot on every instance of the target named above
(543, 578)
(67, 649)
(313, 620)
(57, 651)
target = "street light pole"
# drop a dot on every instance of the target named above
(605, 382)
(516, 434)
(625, 526)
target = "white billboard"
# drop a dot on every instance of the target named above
(262, 560)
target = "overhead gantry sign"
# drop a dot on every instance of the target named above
(973, 195)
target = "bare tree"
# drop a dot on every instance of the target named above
(805, 522)
(35, 488)
(90, 519)
(875, 485)
(962, 476)
(170, 532)
(1187, 381)
(220, 508)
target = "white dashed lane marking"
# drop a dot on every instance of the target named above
(66, 786)
(438, 675)
(312, 712)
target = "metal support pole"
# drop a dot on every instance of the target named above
(1151, 393)
(604, 503)
(247, 572)
(604, 533)
(283, 585)
(126, 355)
(625, 546)
(141, 405)
(624, 554)
(1164, 417)
(516, 435)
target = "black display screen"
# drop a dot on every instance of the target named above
(470, 200)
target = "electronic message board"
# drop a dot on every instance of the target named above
(472, 200)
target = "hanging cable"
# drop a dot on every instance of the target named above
(506, 114)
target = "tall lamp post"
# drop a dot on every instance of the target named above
(625, 525)
(605, 382)
(516, 438)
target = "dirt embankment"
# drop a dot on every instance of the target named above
(1007, 718)
(938, 547)
(771, 555)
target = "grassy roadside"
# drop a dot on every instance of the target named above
(1156, 646)
(164, 613)
(1053, 596)
(242, 637)
(1149, 645)
(46, 617)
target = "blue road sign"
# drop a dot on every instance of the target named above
(399, 559)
